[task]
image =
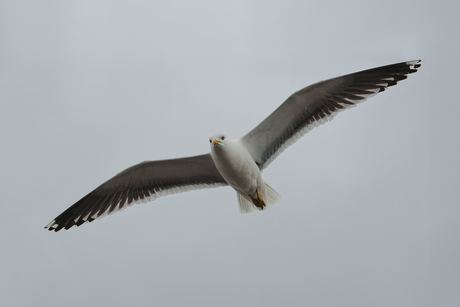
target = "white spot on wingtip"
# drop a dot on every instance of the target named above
(86, 217)
(413, 63)
(50, 224)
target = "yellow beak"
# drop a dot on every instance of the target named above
(214, 141)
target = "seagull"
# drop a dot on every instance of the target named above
(236, 162)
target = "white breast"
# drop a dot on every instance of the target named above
(236, 166)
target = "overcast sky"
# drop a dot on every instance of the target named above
(370, 213)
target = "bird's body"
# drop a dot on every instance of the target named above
(240, 171)
(236, 165)
(236, 162)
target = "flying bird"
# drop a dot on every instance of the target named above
(236, 162)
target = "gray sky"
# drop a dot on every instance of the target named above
(369, 214)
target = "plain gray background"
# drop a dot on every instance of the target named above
(370, 213)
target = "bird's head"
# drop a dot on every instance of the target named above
(217, 140)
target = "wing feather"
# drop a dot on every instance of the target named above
(317, 104)
(141, 183)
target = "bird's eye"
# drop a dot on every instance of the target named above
(223, 138)
(210, 141)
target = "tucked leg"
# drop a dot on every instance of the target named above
(258, 201)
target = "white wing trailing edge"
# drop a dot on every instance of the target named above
(317, 104)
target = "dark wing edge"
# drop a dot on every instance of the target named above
(317, 104)
(141, 183)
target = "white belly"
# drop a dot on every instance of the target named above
(236, 166)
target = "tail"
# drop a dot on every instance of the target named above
(264, 200)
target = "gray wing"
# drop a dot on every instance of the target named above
(141, 183)
(317, 104)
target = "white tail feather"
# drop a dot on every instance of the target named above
(270, 196)
(245, 203)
